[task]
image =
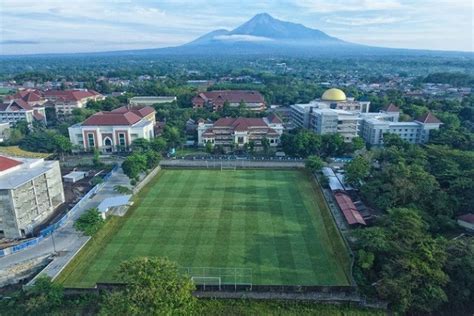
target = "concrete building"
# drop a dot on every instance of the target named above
(16, 110)
(113, 131)
(149, 101)
(232, 132)
(30, 191)
(333, 99)
(65, 101)
(215, 100)
(375, 125)
(328, 121)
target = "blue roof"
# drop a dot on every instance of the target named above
(113, 202)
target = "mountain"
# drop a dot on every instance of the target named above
(261, 34)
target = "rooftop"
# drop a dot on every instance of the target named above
(29, 169)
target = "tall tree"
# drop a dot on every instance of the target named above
(154, 286)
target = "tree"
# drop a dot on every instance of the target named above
(356, 171)
(62, 144)
(140, 145)
(209, 147)
(43, 298)
(265, 145)
(154, 286)
(122, 189)
(133, 165)
(89, 222)
(402, 262)
(158, 144)
(172, 136)
(314, 163)
(152, 159)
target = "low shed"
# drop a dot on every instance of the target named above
(74, 176)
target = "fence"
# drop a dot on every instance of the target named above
(51, 228)
(238, 164)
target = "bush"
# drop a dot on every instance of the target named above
(89, 222)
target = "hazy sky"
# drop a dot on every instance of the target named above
(58, 26)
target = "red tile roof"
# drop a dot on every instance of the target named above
(7, 163)
(348, 208)
(70, 95)
(391, 108)
(469, 218)
(16, 105)
(218, 97)
(274, 119)
(111, 118)
(240, 123)
(428, 118)
(140, 111)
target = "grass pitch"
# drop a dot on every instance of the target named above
(272, 221)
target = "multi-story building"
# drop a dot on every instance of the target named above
(113, 131)
(236, 132)
(215, 100)
(16, 110)
(328, 121)
(332, 99)
(30, 191)
(375, 125)
(67, 100)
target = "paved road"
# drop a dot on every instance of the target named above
(66, 240)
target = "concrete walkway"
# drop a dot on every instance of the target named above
(66, 241)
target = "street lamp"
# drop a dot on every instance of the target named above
(54, 244)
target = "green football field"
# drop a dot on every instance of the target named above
(272, 222)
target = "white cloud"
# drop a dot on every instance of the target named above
(362, 21)
(324, 6)
(242, 38)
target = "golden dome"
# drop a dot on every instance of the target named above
(334, 95)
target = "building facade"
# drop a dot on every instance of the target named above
(231, 133)
(375, 125)
(65, 101)
(149, 101)
(215, 100)
(113, 131)
(30, 191)
(17, 110)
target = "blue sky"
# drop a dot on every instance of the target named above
(62, 26)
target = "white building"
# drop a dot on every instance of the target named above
(19, 110)
(328, 121)
(333, 113)
(115, 130)
(149, 101)
(375, 125)
(65, 101)
(30, 191)
(236, 132)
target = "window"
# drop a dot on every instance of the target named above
(240, 140)
(122, 139)
(90, 140)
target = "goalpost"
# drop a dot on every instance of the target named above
(231, 165)
(207, 281)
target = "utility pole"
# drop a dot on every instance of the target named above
(54, 244)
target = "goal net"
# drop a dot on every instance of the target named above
(207, 281)
(213, 278)
(228, 165)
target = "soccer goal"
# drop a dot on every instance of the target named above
(228, 166)
(215, 278)
(207, 281)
